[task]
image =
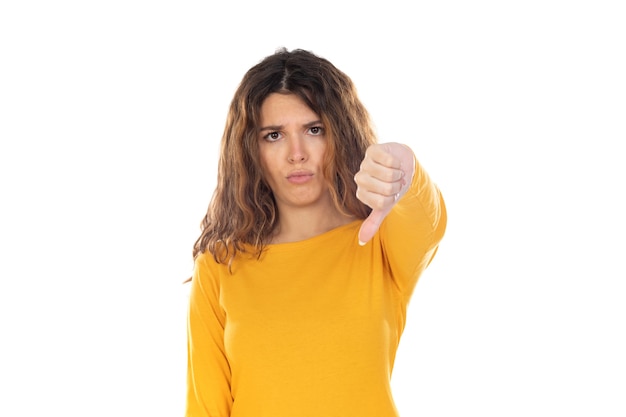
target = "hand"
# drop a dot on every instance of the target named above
(385, 175)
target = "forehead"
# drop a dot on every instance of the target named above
(278, 108)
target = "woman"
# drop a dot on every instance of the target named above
(312, 244)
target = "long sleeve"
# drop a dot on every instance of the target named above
(411, 233)
(208, 372)
(310, 328)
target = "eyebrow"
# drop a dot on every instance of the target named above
(280, 127)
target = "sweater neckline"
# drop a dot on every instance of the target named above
(316, 240)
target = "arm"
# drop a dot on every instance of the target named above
(208, 371)
(412, 230)
(400, 192)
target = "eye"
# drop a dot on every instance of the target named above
(316, 130)
(272, 136)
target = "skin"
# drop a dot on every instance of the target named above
(384, 177)
(292, 143)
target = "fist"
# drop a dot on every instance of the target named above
(383, 178)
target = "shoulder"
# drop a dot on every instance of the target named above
(205, 266)
(202, 259)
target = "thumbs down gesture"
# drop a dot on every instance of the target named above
(383, 178)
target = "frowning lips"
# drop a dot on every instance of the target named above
(299, 176)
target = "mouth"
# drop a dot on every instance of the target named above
(299, 177)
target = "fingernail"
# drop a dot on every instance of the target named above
(361, 243)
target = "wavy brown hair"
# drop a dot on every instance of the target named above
(242, 211)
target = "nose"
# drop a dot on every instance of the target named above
(297, 150)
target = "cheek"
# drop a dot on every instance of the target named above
(317, 149)
(321, 152)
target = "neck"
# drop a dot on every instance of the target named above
(301, 224)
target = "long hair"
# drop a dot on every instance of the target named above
(242, 213)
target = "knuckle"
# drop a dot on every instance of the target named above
(379, 202)
(388, 189)
(390, 176)
(360, 195)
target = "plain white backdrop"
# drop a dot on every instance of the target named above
(110, 119)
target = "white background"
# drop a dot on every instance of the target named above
(110, 118)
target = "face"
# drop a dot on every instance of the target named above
(292, 143)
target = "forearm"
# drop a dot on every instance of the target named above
(413, 229)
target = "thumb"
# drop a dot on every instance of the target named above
(370, 226)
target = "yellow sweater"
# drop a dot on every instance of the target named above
(312, 327)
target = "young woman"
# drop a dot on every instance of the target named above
(312, 244)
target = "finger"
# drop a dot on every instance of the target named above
(381, 172)
(383, 197)
(384, 177)
(370, 225)
(378, 181)
(382, 154)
